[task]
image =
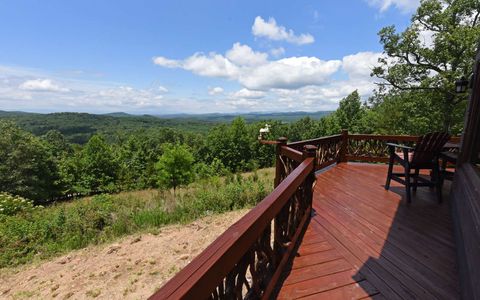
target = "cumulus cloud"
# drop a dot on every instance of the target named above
(360, 65)
(291, 72)
(42, 85)
(165, 62)
(243, 55)
(30, 90)
(271, 30)
(403, 5)
(212, 65)
(248, 94)
(215, 91)
(260, 74)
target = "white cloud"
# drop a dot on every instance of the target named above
(27, 89)
(243, 55)
(162, 89)
(403, 5)
(360, 65)
(270, 30)
(248, 94)
(42, 85)
(165, 62)
(215, 91)
(277, 52)
(213, 65)
(260, 74)
(291, 72)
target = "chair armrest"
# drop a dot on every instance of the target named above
(405, 147)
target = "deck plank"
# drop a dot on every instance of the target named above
(365, 242)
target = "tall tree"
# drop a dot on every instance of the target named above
(230, 144)
(350, 112)
(98, 166)
(436, 49)
(175, 166)
(27, 167)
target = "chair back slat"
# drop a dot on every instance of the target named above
(428, 147)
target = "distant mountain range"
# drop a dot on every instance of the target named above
(79, 127)
(211, 117)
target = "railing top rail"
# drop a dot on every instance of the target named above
(406, 138)
(199, 278)
(292, 153)
(382, 137)
(314, 141)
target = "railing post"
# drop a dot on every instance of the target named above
(343, 146)
(310, 151)
(279, 167)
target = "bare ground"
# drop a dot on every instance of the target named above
(132, 268)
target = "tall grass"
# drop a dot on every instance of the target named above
(72, 225)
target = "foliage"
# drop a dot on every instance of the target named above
(26, 167)
(11, 205)
(230, 144)
(72, 225)
(350, 112)
(175, 166)
(413, 64)
(98, 166)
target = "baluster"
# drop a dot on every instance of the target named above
(279, 165)
(343, 146)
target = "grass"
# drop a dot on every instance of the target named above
(63, 227)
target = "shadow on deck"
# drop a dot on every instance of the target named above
(365, 242)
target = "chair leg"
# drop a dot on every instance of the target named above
(415, 180)
(407, 184)
(390, 170)
(437, 181)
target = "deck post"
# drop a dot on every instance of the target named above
(343, 146)
(279, 169)
(310, 151)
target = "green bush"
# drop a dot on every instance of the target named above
(66, 226)
(11, 205)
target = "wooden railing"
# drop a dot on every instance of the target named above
(329, 149)
(355, 147)
(247, 260)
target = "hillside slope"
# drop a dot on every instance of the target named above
(132, 268)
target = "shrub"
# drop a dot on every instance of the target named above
(11, 205)
(72, 225)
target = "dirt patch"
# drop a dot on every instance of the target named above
(132, 268)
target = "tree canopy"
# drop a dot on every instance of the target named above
(175, 166)
(434, 51)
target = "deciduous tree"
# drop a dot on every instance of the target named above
(435, 50)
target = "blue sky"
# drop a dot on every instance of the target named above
(189, 56)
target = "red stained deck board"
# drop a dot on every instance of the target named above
(365, 243)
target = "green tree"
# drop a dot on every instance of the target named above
(350, 112)
(230, 144)
(27, 167)
(413, 64)
(57, 143)
(175, 166)
(304, 129)
(98, 166)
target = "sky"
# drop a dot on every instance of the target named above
(163, 57)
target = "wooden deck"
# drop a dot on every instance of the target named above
(366, 242)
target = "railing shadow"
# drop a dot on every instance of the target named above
(416, 260)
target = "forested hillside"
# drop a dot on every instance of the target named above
(79, 127)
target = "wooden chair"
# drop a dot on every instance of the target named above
(423, 156)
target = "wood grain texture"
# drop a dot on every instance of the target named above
(365, 242)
